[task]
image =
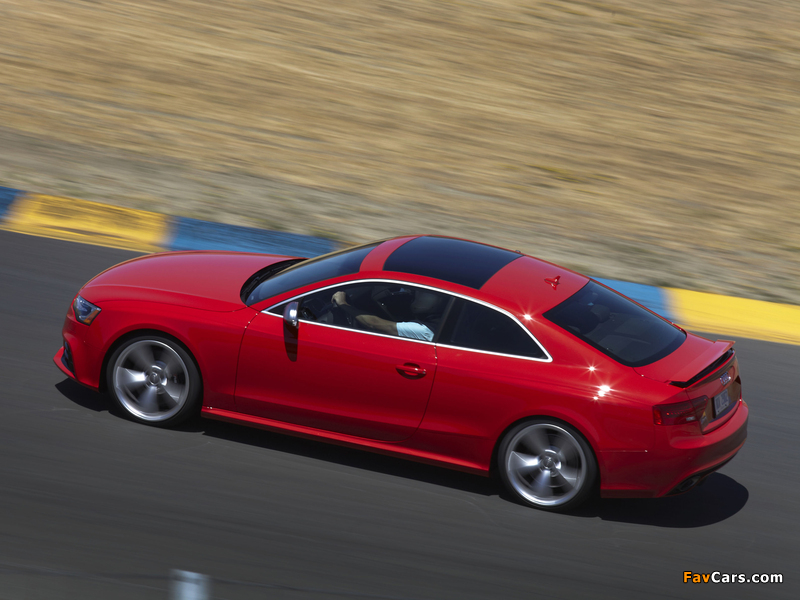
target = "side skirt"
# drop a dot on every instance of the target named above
(388, 448)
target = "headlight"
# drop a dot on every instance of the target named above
(84, 310)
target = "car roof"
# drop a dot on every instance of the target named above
(507, 278)
(449, 259)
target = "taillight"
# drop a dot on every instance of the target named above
(678, 413)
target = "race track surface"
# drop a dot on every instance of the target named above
(93, 506)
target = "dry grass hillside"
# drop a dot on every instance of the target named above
(650, 141)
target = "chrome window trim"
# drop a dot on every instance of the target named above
(548, 358)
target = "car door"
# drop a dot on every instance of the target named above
(333, 373)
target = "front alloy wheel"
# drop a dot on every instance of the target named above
(547, 464)
(154, 381)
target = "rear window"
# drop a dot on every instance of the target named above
(324, 267)
(616, 326)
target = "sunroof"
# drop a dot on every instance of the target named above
(457, 261)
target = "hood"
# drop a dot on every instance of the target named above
(692, 357)
(204, 280)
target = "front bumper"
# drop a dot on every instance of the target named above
(62, 363)
(83, 358)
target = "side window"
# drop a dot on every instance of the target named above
(478, 327)
(377, 307)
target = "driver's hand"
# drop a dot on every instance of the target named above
(339, 298)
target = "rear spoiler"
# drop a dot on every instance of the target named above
(718, 364)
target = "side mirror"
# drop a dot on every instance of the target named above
(290, 316)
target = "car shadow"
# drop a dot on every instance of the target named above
(83, 396)
(718, 498)
(351, 457)
(289, 444)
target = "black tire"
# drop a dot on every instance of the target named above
(154, 381)
(547, 464)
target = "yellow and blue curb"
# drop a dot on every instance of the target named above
(7, 197)
(140, 230)
(144, 231)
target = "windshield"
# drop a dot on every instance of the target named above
(616, 326)
(343, 262)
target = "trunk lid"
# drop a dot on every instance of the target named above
(686, 365)
(708, 372)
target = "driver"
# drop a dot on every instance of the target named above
(422, 308)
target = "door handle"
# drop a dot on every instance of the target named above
(411, 371)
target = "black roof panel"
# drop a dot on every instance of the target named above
(457, 261)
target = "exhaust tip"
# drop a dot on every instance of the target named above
(686, 485)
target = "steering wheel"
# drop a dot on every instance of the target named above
(307, 314)
(343, 318)
(312, 309)
(340, 316)
(378, 297)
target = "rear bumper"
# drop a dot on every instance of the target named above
(676, 463)
(712, 451)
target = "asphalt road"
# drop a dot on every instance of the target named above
(93, 506)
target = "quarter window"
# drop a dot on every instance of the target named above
(478, 327)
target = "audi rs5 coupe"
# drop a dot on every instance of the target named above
(437, 349)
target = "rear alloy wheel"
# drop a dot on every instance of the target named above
(154, 380)
(547, 464)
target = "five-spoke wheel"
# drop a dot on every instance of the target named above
(154, 380)
(547, 464)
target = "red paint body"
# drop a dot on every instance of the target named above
(368, 390)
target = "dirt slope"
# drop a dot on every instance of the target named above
(653, 142)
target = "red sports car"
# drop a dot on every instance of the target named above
(433, 348)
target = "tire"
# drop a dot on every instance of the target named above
(547, 464)
(154, 381)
